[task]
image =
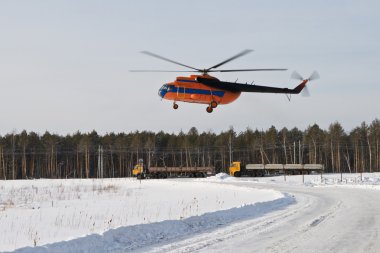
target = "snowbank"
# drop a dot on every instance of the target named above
(125, 239)
(352, 180)
(221, 177)
(355, 180)
(113, 214)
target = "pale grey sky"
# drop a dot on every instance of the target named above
(64, 65)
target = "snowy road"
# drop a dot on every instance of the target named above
(324, 219)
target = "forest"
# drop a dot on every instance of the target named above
(90, 155)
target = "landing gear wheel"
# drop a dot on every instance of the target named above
(209, 109)
(175, 106)
(213, 104)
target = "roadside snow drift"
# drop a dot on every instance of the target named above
(348, 180)
(120, 214)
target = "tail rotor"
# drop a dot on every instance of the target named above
(295, 75)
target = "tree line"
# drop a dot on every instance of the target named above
(90, 155)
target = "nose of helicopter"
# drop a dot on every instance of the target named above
(163, 90)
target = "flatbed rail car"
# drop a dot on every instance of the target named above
(260, 170)
(140, 171)
(164, 172)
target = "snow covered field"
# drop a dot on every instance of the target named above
(38, 212)
(213, 214)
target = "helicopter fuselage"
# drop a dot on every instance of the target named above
(188, 89)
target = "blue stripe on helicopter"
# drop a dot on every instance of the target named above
(181, 90)
(186, 81)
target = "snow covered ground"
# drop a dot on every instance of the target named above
(335, 213)
(112, 214)
(350, 180)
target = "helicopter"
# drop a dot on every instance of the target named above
(206, 89)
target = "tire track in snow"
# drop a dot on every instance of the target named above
(321, 218)
(286, 244)
(238, 229)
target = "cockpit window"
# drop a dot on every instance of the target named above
(163, 90)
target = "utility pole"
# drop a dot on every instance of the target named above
(100, 162)
(299, 151)
(149, 158)
(98, 174)
(230, 147)
(113, 168)
(13, 156)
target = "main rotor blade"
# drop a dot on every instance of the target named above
(142, 70)
(230, 59)
(166, 59)
(240, 70)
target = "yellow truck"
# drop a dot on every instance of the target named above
(140, 171)
(259, 170)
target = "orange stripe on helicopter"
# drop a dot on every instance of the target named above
(187, 89)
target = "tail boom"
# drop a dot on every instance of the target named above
(300, 87)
